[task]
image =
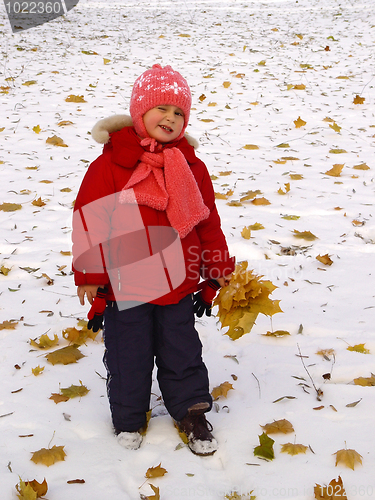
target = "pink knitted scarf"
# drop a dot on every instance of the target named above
(164, 181)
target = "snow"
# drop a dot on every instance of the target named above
(259, 48)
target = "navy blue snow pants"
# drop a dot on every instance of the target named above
(135, 338)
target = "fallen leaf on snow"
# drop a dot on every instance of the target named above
(8, 325)
(293, 449)
(334, 491)
(335, 171)
(358, 348)
(10, 207)
(75, 98)
(56, 141)
(365, 381)
(37, 370)
(299, 122)
(49, 456)
(64, 356)
(305, 235)
(358, 100)
(38, 203)
(221, 390)
(325, 259)
(278, 426)
(260, 201)
(265, 448)
(44, 342)
(246, 233)
(276, 333)
(348, 457)
(157, 471)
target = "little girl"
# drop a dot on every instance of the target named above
(145, 230)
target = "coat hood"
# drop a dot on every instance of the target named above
(103, 128)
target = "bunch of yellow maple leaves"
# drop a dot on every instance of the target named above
(243, 299)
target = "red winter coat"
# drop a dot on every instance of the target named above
(99, 235)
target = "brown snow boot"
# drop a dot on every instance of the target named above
(195, 431)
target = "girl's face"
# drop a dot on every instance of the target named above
(164, 123)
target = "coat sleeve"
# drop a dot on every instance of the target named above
(216, 261)
(91, 224)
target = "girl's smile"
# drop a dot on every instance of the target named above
(164, 123)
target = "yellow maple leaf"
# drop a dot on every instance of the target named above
(8, 325)
(75, 391)
(300, 86)
(365, 381)
(358, 348)
(157, 471)
(305, 235)
(278, 426)
(4, 270)
(296, 177)
(325, 259)
(78, 336)
(335, 171)
(155, 489)
(38, 203)
(358, 100)
(362, 166)
(25, 491)
(75, 98)
(59, 398)
(37, 129)
(246, 233)
(226, 84)
(49, 456)
(299, 122)
(348, 457)
(337, 151)
(276, 333)
(250, 146)
(40, 488)
(10, 207)
(250, 195)
(260, 201)
(335, 127)
(64, 356)
(56, 141)
(257, 226)
(44, 342)
(243, 299)
(293, 449)
(223, 196)
(287, 189)
(221, 390)
(37, 370)
(334, 491)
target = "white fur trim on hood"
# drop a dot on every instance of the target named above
(102, 129)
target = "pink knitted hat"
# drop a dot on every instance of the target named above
(155, 87)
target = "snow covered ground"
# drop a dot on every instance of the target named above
(254, 68)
